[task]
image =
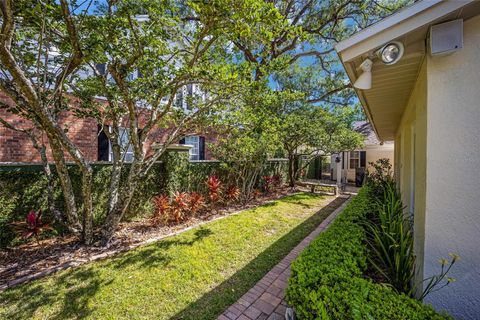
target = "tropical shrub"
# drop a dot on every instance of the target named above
(232, 194)
(277, 180)
(179, 205)
(196, 202)
(214, 189)
(328, 278)
(23, 187)
(33, 226)
(379, 176)
(267, 183)
(162, 206)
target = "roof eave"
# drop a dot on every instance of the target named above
(396, 25)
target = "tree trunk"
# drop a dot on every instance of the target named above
(42, 150)
(87, 235)
(66, 184)
(291, 170)
(116, 174)
(126, 193)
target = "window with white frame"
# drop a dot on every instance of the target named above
(354, 159)
(187, 96)
(126, 148)
(193, 141)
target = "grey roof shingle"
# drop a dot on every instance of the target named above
(366, 129)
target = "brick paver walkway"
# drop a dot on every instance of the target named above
(266, 299)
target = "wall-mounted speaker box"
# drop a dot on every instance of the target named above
(446, 38)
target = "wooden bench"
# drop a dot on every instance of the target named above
(313, 185)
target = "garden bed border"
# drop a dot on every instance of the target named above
(110, 253)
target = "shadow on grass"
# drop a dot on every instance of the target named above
(213, 303)
(156, 254)
(69, 294)
(80, 285)
(297, 199)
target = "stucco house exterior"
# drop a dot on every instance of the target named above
(372, 150)
(429, 104)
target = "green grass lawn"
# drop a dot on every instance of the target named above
(194, 275)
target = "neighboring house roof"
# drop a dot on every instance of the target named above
(365, 128)
(392, 85)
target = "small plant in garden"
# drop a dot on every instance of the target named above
(277, 180)
(390, 238)
(267, 183)
(302, 173)
(255, 194)
(33, 226)
(214, 185)
(162, 206)
(179, 205)
(437, 282)
(195, 203)
(232, 194)
(391, 241)
(379, 176)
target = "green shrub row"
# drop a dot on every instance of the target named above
(328, 280)
(24, 188)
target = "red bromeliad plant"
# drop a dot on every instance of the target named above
(277, 180)
(179, 205)
(232, 193)
(162, 206)
(214, 185)
(32, 226)
(267, 183)
(195, 203)
(255, 194)
(302, 173)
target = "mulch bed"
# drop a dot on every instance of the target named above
(35, 260)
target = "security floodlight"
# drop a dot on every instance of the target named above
(391, 53)
(364, 82)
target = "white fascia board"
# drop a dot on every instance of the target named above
(395, 26)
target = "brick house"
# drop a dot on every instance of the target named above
(85, 133)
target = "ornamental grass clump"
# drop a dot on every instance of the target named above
(390, 237)
(390, 240)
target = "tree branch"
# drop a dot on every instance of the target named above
(329, 93)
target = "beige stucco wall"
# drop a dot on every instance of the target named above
(437, 156)
(373, 153)
(410, 157)
(453, 173)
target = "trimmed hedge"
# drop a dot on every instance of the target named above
(24, 188)
(328, 281)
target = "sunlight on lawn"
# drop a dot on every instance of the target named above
(194, 275)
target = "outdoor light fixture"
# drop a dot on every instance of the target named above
(364, 82)
(391, 53)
